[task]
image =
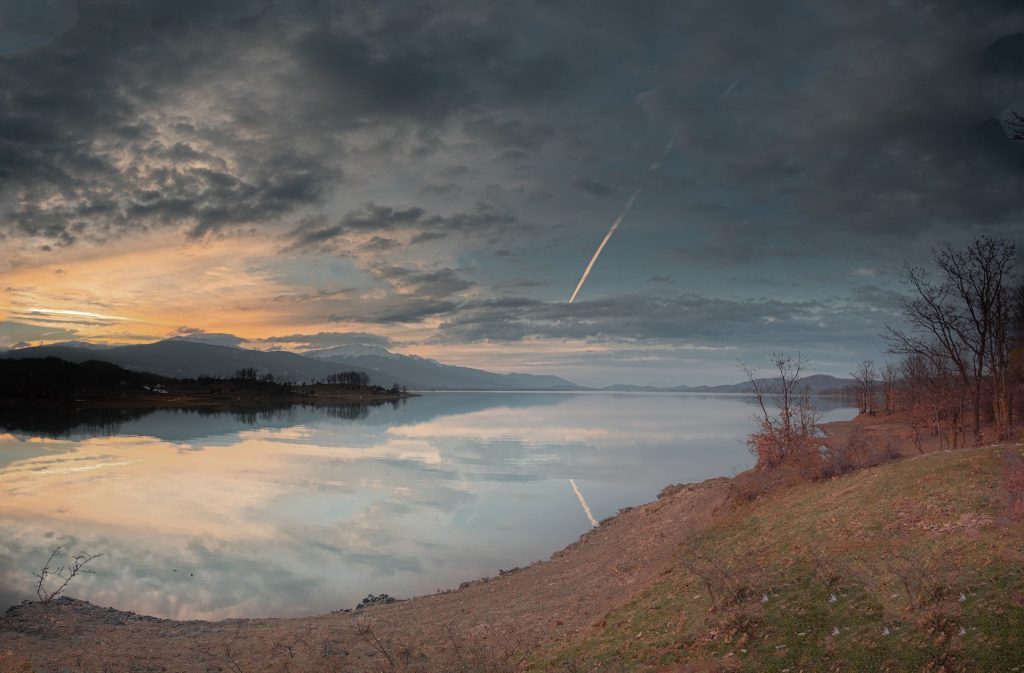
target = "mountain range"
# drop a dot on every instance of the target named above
(181, 358)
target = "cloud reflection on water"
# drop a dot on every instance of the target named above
(308, 512)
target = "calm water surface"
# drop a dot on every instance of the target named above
(307, 510)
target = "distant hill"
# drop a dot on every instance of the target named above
(818, 384)
(180, 358)
(188, 359)
(51, 378)
(425, 374)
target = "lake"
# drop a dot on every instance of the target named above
(307, 510)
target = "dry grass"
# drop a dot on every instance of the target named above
(897, 568)
(13, 663)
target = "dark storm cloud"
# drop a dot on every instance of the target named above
(396, 310)
(426, 236)
(110, 128)
(509, 132)
(379, 244)
(878, 297)
(327, 339)
(868, 119)
(434, 284)
(381, 218)
(202, 336)
(686, 317)
(877, 117)
(86, 132)
(24, 25)
(416, 295)
(425, 63)
(318, 234)
(592, 187)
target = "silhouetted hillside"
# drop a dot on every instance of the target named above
(55, 379)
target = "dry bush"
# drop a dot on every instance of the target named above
(12, 663)
(788, 445)
(752, 484)
(831, 571)
(926, 582)
(62, 575)
(1012, 487)
(460, 654)
(861, 449)
(574, 664)
(729, 581)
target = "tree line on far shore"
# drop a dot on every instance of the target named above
(59, 380)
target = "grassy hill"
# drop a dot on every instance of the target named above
(904, 567)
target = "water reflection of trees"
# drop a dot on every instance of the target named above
(62, 422)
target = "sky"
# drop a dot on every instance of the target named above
(435, 176)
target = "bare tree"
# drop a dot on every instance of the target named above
(789, 434)
(864, 377)
(890, 380)
(979, 276)
(1015, 360)
(63, 573)
(961, 320)
(931, 396)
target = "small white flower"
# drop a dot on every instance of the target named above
(832, 598)
(963, 597)
(885, 630)
(764, 598)
(835, 630)
(963, 631)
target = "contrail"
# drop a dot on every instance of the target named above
(729, 89)
(629, 204)
(583, 503)
(618, 220)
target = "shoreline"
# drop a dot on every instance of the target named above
(635, 565)
(838, 428)
(546, 604)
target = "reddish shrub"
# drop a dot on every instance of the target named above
(752, 484)
(862, 449)
(1013, 486)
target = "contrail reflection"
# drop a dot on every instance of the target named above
(583, 503)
